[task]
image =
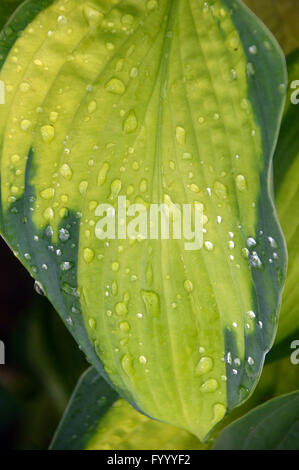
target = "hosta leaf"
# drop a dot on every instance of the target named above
(97, 419)
(272, 426)
(168, 101)
(87, 423)
(286, 167)
(281, 17)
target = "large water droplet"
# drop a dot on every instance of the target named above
(204, 366)
(211, 385)
(241, 183)
(66, 171)
(115, 86)
(47, 133)
(130, 123)
(88, 255)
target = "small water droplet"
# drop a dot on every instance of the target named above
(66, 266)
(39, 288)
(142, 360)
(209, 246)
(253, 49)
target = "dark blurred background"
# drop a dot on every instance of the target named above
(42, 361)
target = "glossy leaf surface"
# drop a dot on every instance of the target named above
(161, 102)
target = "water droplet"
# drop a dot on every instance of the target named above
(233, 74)
(251, 242)
(114, 288)
(124, 327)
(134, 72)
(25, 125)
(142, 360)
(66, 266)
(47, 193)
(24, 87)
(66, 171)
(254, 260)
(211, 385)
(152, 302)
(88, 255)
(47, 133)
(48, 213)
(253, 49)
(83, 187)
(92, 106)
(241, 183)
(143, 186)
(219, 412)
(115, 266)
(209, 246)
(194, 188)
(64, 234)
(250, 361)
(130, 123)
(92, 16)
(39, 288)
(204, 366)
(15, 158)
(121, 309)
(188, 286)
(250, 69)
(220, 190)
(62, 20)
(53, 116)
(126, 363)
(115, 188)
(187, 156)
(115, 86)
(272, 242)
(151, 4)
(103, 173)
(180, 135)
